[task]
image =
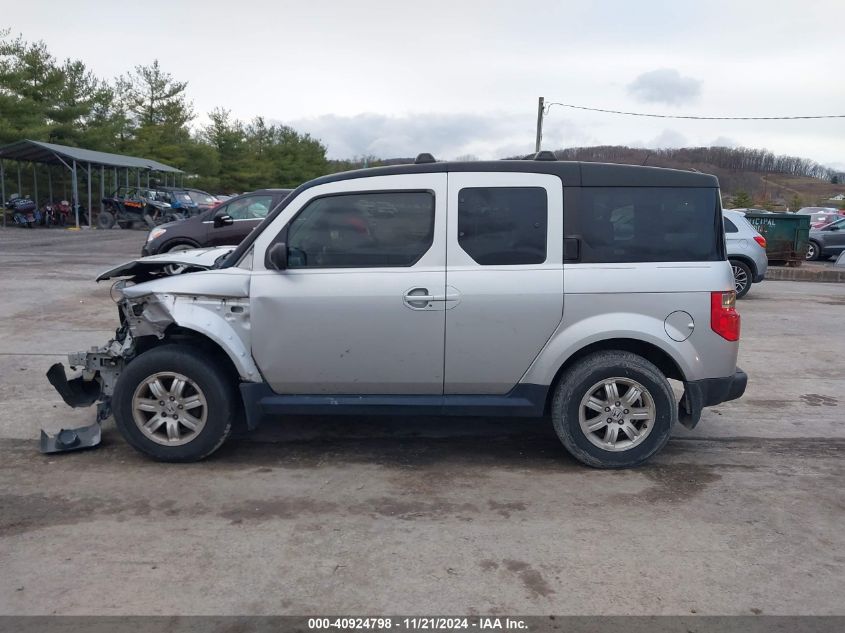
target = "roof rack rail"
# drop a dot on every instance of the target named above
(544, 155)
(425, 157)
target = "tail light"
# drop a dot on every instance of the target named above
(724, 319)
(760, 240)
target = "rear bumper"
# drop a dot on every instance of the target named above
(707, 393)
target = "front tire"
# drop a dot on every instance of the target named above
(742, 277)
(613, 409)
(175, 404)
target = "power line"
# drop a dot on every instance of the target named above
(699, 118)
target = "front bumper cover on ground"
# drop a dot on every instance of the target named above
(71, 439)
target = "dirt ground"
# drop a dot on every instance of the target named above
(743, 515)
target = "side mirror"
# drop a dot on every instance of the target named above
(834, 228)
(223, 220)
(277, 257)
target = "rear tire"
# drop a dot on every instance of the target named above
(194, 420)
(814, 251)
(105, 220)
(639, 425)
(742, 277)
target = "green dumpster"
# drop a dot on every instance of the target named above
(787, 235)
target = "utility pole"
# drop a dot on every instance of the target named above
(540, 107)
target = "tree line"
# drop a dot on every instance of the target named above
(146, 112)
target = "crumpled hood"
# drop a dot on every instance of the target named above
(195, 259)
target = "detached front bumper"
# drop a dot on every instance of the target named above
(707, 393)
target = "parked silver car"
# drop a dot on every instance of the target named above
(506, 288)
(746, 251)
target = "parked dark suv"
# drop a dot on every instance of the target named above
(228, 223)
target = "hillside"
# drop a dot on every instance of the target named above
(772, 181)
(769, 179)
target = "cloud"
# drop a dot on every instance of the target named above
(446, 135)
(668, 138)
(723, 141)
(665, 85)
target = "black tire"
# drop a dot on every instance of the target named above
(587, 372)
(105, 220)
(814, 251)
(741, 271)
(202, 368)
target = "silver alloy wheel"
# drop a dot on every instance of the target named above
(811, 251)
(740, 279)
(617, 414)
(169, 408)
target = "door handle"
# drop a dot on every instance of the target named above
(421, 298)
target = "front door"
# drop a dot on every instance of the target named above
(360, 309)
(504, 256)
(246, 213)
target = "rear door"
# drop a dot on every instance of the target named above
(246, 212)
(504, 277)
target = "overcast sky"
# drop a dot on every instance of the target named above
(455, 77)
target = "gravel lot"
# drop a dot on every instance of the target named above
(744, 515)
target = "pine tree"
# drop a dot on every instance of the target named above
(742, 200)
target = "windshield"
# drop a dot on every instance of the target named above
(201, 198)
(183, 197)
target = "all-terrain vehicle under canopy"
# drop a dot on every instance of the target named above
(72, 157)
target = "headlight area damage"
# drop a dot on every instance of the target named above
(211, 307)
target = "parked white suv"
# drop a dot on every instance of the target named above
(507, 288)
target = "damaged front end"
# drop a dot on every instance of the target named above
(209, 306)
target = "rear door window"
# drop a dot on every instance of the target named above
(501, 226)
(730, 227)
(650, 224)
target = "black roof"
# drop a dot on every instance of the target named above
(571, 173)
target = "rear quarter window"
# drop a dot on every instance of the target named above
(650, 224)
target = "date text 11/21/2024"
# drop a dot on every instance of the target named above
(419, 623)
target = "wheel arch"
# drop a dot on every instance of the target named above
(650, 351)
(177, 334)
(178, 241)
(745, 260)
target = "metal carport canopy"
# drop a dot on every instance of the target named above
(41, 152)
(52, 154)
